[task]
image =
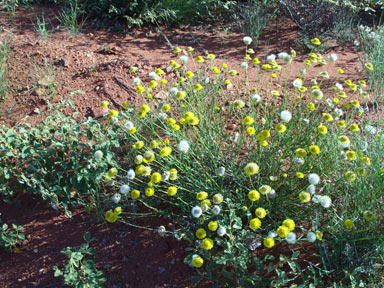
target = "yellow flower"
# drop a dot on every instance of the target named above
(176, 127)
(256, 61)
(238, 103)
(282, 231)
(153, 84)
(110, 216)
(305, 196)
(104, 104)
(149, 156)
(265, 189)
(213, 225)
(190, 49)
(317, 94)
(126, 105)
(135, 194)
(166, 107)
(248, 120)
(250, 131)
(224, 66)
(189, 74)
(113, 113)
(275, 93)
(217, 198)
(200, 233)
(348, 224)
(350, 176)
(340, 71)
(269, 242)
(149, 191)
(140, 89)
(260, 212)
(201, 195)
(300, 175)
(199, 59)
(139, 169)
(215, 70)
(355, 103)
(319, 235)
(341, 124)
(156, 177)
(290, 224)
(171, 121)
(368, 215)
(197, 261)
(166, 151)
(207, 244)
(173, 174)
(251, 169)
(366, 160)
(198, 87)
(327, 117)
(322, 129)
(177, 50)
(232, 72)
(300, 152)
(369, 66)
(181, 95)
(281, 128)
(211, 57)
(354, 127)
(254, 195)
(351, 155)
(314, 149)
(145, 108)
(266, 66)
(344, 140)
(118, 211)
(172, 191)
(112, 172)
(255, 223)
(311, 106)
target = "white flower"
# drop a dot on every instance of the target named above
(220, 171)
(311, 189)
(291, 238)
(116, 198)
(129, 125)
(197, 211)
(303, 71)
(256, 98)
(173, 90)
(153, 76)
(165, 175)
(98, 154)
(370, 129)
(272, 194)
(161, 230)
(183, 146)
(316, 198)
(325, 201)
(136, 81)
(244, 65)
(162, 116)
(235, 136)
(343, 155)
(299, 161)
(345, 145)
(247, 40)
(313, 178)
(205, 207)
(271, 57)
(221, 231)
(339, 112)
(282, 55)
(339, 86)
(286, 116)
(311, 237)
(297, 83)
(287, 59)
(216, 210)
(139, 159)
(184, 59)
(124, 189)
(356, 43)
(206, 80)
(306, 121)
(313, 81)
(272, 234)
(114, 120)
(332, 57)
(131, 174)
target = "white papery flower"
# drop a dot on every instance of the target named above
(235, 137)
(332, 57)
(299, 161)
(165, 176)
(216, 209)
(272, 194)
(311, 189)
(316, 198)
(356, 43)
(325, 201)
(247, 40)
(183, 146)
(313, 178)
(306, 121)
(291, 238)
(303, 71)
(197, 211)
(256, 98)
(272, 234)
(221, 231)
(339, 86)
(114, 120)
(297, 83)
(282, 55)
(116, 198)
(271, 57)
(184, 59)
(220, 171)
(162, 116)
(339, 112)
(124, 189)
(173, 90)
(370, 129)
(136, 81)
(131, 174)
(153, 76)
(311, 237)
(285, 116)
(129, 125)
(98, 154)
(244, 65)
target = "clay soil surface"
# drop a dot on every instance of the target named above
(98, 63)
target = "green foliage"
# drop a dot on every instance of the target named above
(5, 42)
(71, 17)
(80, 270)
(53, 159)
(10, 237)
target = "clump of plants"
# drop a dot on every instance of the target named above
(11, 237)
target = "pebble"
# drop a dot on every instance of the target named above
(35, 250)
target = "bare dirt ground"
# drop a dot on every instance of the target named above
(98, 62)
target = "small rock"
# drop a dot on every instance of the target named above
(35, 250)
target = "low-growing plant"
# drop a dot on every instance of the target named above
(41, 27)
(11, 237)
(5, 42)
(80, 270)
(71, 17)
